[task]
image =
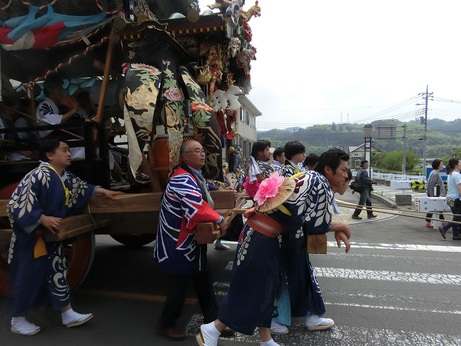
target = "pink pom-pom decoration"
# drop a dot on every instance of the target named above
(269, 187)
(250, 188)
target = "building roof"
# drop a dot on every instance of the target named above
(246, 103)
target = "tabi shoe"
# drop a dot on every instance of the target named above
(428, 225)
(314, 322)
(208, 335)
(173, 333)
(456, 238)
(442, 232)
(19, 325)
(356, 217)
(77, 320)
(218, 245)
(278, 329)
(372, 216)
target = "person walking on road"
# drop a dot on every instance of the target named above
(435, 188)
(38, 270)
(185, 203)
(453, 199)
(282, 205)
(365, 196)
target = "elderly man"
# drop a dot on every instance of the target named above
(186, 202)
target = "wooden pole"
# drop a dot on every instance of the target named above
(119, 24)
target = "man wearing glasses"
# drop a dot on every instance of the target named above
(185, 203)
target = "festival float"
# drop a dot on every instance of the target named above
(156, 73)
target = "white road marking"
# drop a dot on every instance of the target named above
(339, 335)
(397, 308)
(388, 275)
(407, 247)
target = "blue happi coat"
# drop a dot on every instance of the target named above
(183, 207)
(41, 192)
(255, 284)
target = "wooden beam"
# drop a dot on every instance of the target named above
(136, 202)
(151, 201)
(5, 236)
(73, 226)
(317, 244)
(3, 203)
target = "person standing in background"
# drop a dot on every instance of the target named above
(435, 188)
(310, 161)
(294, 153)
(365, 196)
(279, 158)
(453, 199)
(260, 167)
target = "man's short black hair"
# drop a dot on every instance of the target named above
(277, 152)
(259, 146)
(292, 148)
(436, 163)
(53, 81)
(49, 146)
(311, 160)
(331, 158)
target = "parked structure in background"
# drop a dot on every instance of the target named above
(245, 128)
(358, 153)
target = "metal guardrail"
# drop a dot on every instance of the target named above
(392, 176)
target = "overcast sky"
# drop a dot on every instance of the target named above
(354, 61)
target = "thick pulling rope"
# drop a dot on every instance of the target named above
(410, 213)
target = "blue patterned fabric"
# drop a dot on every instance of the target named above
(42, 279)
(175, 249)
(256, 281)
(311, 207)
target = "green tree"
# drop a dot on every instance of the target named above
(393, 160)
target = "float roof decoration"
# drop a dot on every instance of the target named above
(38, 37)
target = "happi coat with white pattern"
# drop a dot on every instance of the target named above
(35, 280)
(183, 207)
(255, 285)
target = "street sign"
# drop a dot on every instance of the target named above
(442, 173)
(386, 132)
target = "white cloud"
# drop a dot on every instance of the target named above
(330, 61)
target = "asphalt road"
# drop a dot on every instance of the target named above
(399, 285)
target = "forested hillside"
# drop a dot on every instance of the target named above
(443, 137)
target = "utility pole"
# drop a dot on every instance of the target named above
(404, 166)
(426, 97)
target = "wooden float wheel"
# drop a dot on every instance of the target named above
(5, 281)
(79, 252)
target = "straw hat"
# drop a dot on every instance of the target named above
(284, 191)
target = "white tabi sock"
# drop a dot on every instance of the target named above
(210, 334)
(70, 318)
(271, 342)
(20, 325)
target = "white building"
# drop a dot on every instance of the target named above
(246, 126)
